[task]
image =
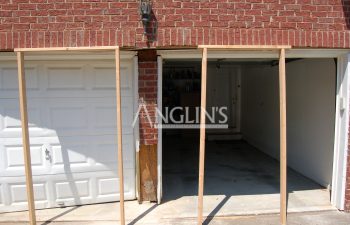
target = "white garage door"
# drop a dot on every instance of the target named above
(72, 116)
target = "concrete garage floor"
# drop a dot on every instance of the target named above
(240, 182)
(239, 179)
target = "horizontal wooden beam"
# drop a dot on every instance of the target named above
(91, 48)
(245, 47)
(104, 48)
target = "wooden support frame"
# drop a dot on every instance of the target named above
(202, 135)
(283, 124)
(283, 137)
(25, 136)
(119, 132)
(24, 119)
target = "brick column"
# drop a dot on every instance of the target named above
(148, 94)
(148, 135)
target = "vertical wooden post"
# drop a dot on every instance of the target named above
(202, 136)
(25, 136)
(119, 133)
(283, 138)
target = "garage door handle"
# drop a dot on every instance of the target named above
(47, 154)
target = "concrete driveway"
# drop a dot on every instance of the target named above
(307, 218)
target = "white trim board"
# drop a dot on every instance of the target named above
(160, 134)
(136, 127)
(247, 54)
(341, 132)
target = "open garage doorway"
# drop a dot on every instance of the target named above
(241, 166)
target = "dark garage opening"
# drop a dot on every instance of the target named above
(241, 165)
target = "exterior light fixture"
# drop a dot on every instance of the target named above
(145, 11)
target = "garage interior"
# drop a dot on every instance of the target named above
(241, 165)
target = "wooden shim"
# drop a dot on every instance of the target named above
(25, 137)
(246, 47)
(119, 133)
(283, 138)
(92, 48)
(202, 136)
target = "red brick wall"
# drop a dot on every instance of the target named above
(49, 23)
(148, 94)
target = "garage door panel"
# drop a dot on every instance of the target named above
(71, 155)
(9, 80)
(104, 116)
(19, 194)
(68, 190)
(12, 163)
(15, 159)
(15, 189)
(104, 78)
(107, 186)
(106, 152)
(16, 197)
(10, 118)
(68, 117)
(65, 78)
